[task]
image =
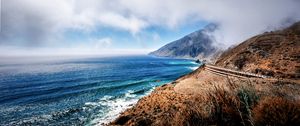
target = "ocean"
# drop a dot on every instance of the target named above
(82, 90)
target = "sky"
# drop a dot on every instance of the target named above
(112, 27)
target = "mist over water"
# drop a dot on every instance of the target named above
(81, 90)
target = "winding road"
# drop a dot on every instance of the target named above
(228, 72)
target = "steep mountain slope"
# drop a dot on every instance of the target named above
(204, 97)
(272, 53)
(195, 45)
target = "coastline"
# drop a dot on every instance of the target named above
(91, 90)
(133, 104)
(220, 96)
(164, 87)
(214, 100)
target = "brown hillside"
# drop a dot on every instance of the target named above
(272, 53)
(204, 97)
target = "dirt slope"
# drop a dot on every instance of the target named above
(272, 53)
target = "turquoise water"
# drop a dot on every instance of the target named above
(80, 91)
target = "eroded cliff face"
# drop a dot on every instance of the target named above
(274, 53)
(205, 98)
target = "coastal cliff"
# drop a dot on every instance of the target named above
(195, 45)
(211, 97)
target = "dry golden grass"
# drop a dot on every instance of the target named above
(273, 54)
(277, 111)
(230, 105)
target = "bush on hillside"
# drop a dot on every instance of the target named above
(277, 111)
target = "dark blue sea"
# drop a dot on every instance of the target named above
(79, 90)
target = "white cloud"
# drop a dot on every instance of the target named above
(36, 22)
(240, 20)
(102, 43)
(156, 37)
(131, 23)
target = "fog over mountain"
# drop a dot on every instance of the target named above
(198, 44)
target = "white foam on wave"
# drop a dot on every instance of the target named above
(179, 62)
(193, 62)
(148, 92)
(193, 68)
(114, 106)
(91, 104)
(130, 94)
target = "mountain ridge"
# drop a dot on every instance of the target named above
(274, 53)
(196, 45)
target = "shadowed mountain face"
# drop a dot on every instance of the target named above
(195, 45)
(275, 53)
